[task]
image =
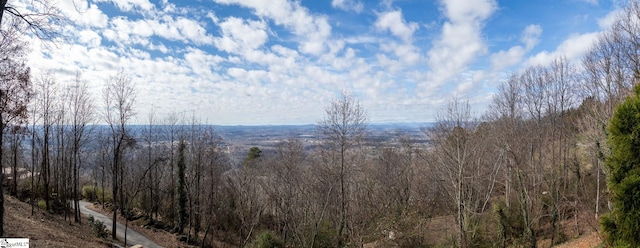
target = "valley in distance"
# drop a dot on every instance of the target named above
(239, 139)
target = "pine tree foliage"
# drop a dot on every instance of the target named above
(622, 225)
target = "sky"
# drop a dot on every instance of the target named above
(274, 62)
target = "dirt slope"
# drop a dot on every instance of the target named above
(45, 230)
(585, 241)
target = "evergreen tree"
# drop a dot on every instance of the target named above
(254, 153)
(622, 225)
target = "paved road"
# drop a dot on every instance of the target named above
(133, 237)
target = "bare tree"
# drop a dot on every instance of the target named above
(119, 96)
(81, 113)
(15, 91)
(506, 114)
(343, 128)
(47, 90)
(457, 155)
(41, 17)
(611, 69)
(285, 187)
(152, 158)
(171, 123)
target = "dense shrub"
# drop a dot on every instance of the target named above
(98, 227)
(326, 235)
(509, 223)
(93, 194)
(42, 205)
(266, 239)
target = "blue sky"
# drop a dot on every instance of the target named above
(251, 62)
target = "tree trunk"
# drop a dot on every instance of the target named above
(3, 4)
(126, 227)
(14, 165)
(33, 169)
(45, 166)
(1, 164)
(461, 232)
(114, 193)
(343, 199)
(76, 184)
(205, 236)
(529, 233)
(597, 188)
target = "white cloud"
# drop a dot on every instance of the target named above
(405, 53)
(131, 5)
(530, 38)
(465, 11)
(90, 38)
(504, 59)
(192, 30)
(83, 13)
(460, 42)
(238, 35)
(608, 20)
(314, 30)
(348, 5)
(271, 62)
(201, 62)
(125, 31)
(395, 23)
(573, 48)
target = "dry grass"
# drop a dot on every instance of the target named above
(590, 240)
(45, 230)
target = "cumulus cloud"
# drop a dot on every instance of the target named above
(89, 38)
(201, 62)
(270, 62)
(573, 48)
(460, 41)
(313, 29)
(608, 20)
(240, 35)
(83, 13)
(404, 53)
(126, 31)
(393, 22)
(530, 38)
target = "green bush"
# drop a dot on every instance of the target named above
(98, 227)
(42, 205)
(55, 206)
(92, 194)
(24, 190)
(89, 193)
(266, 239)
(326, 236)
(509, 222)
